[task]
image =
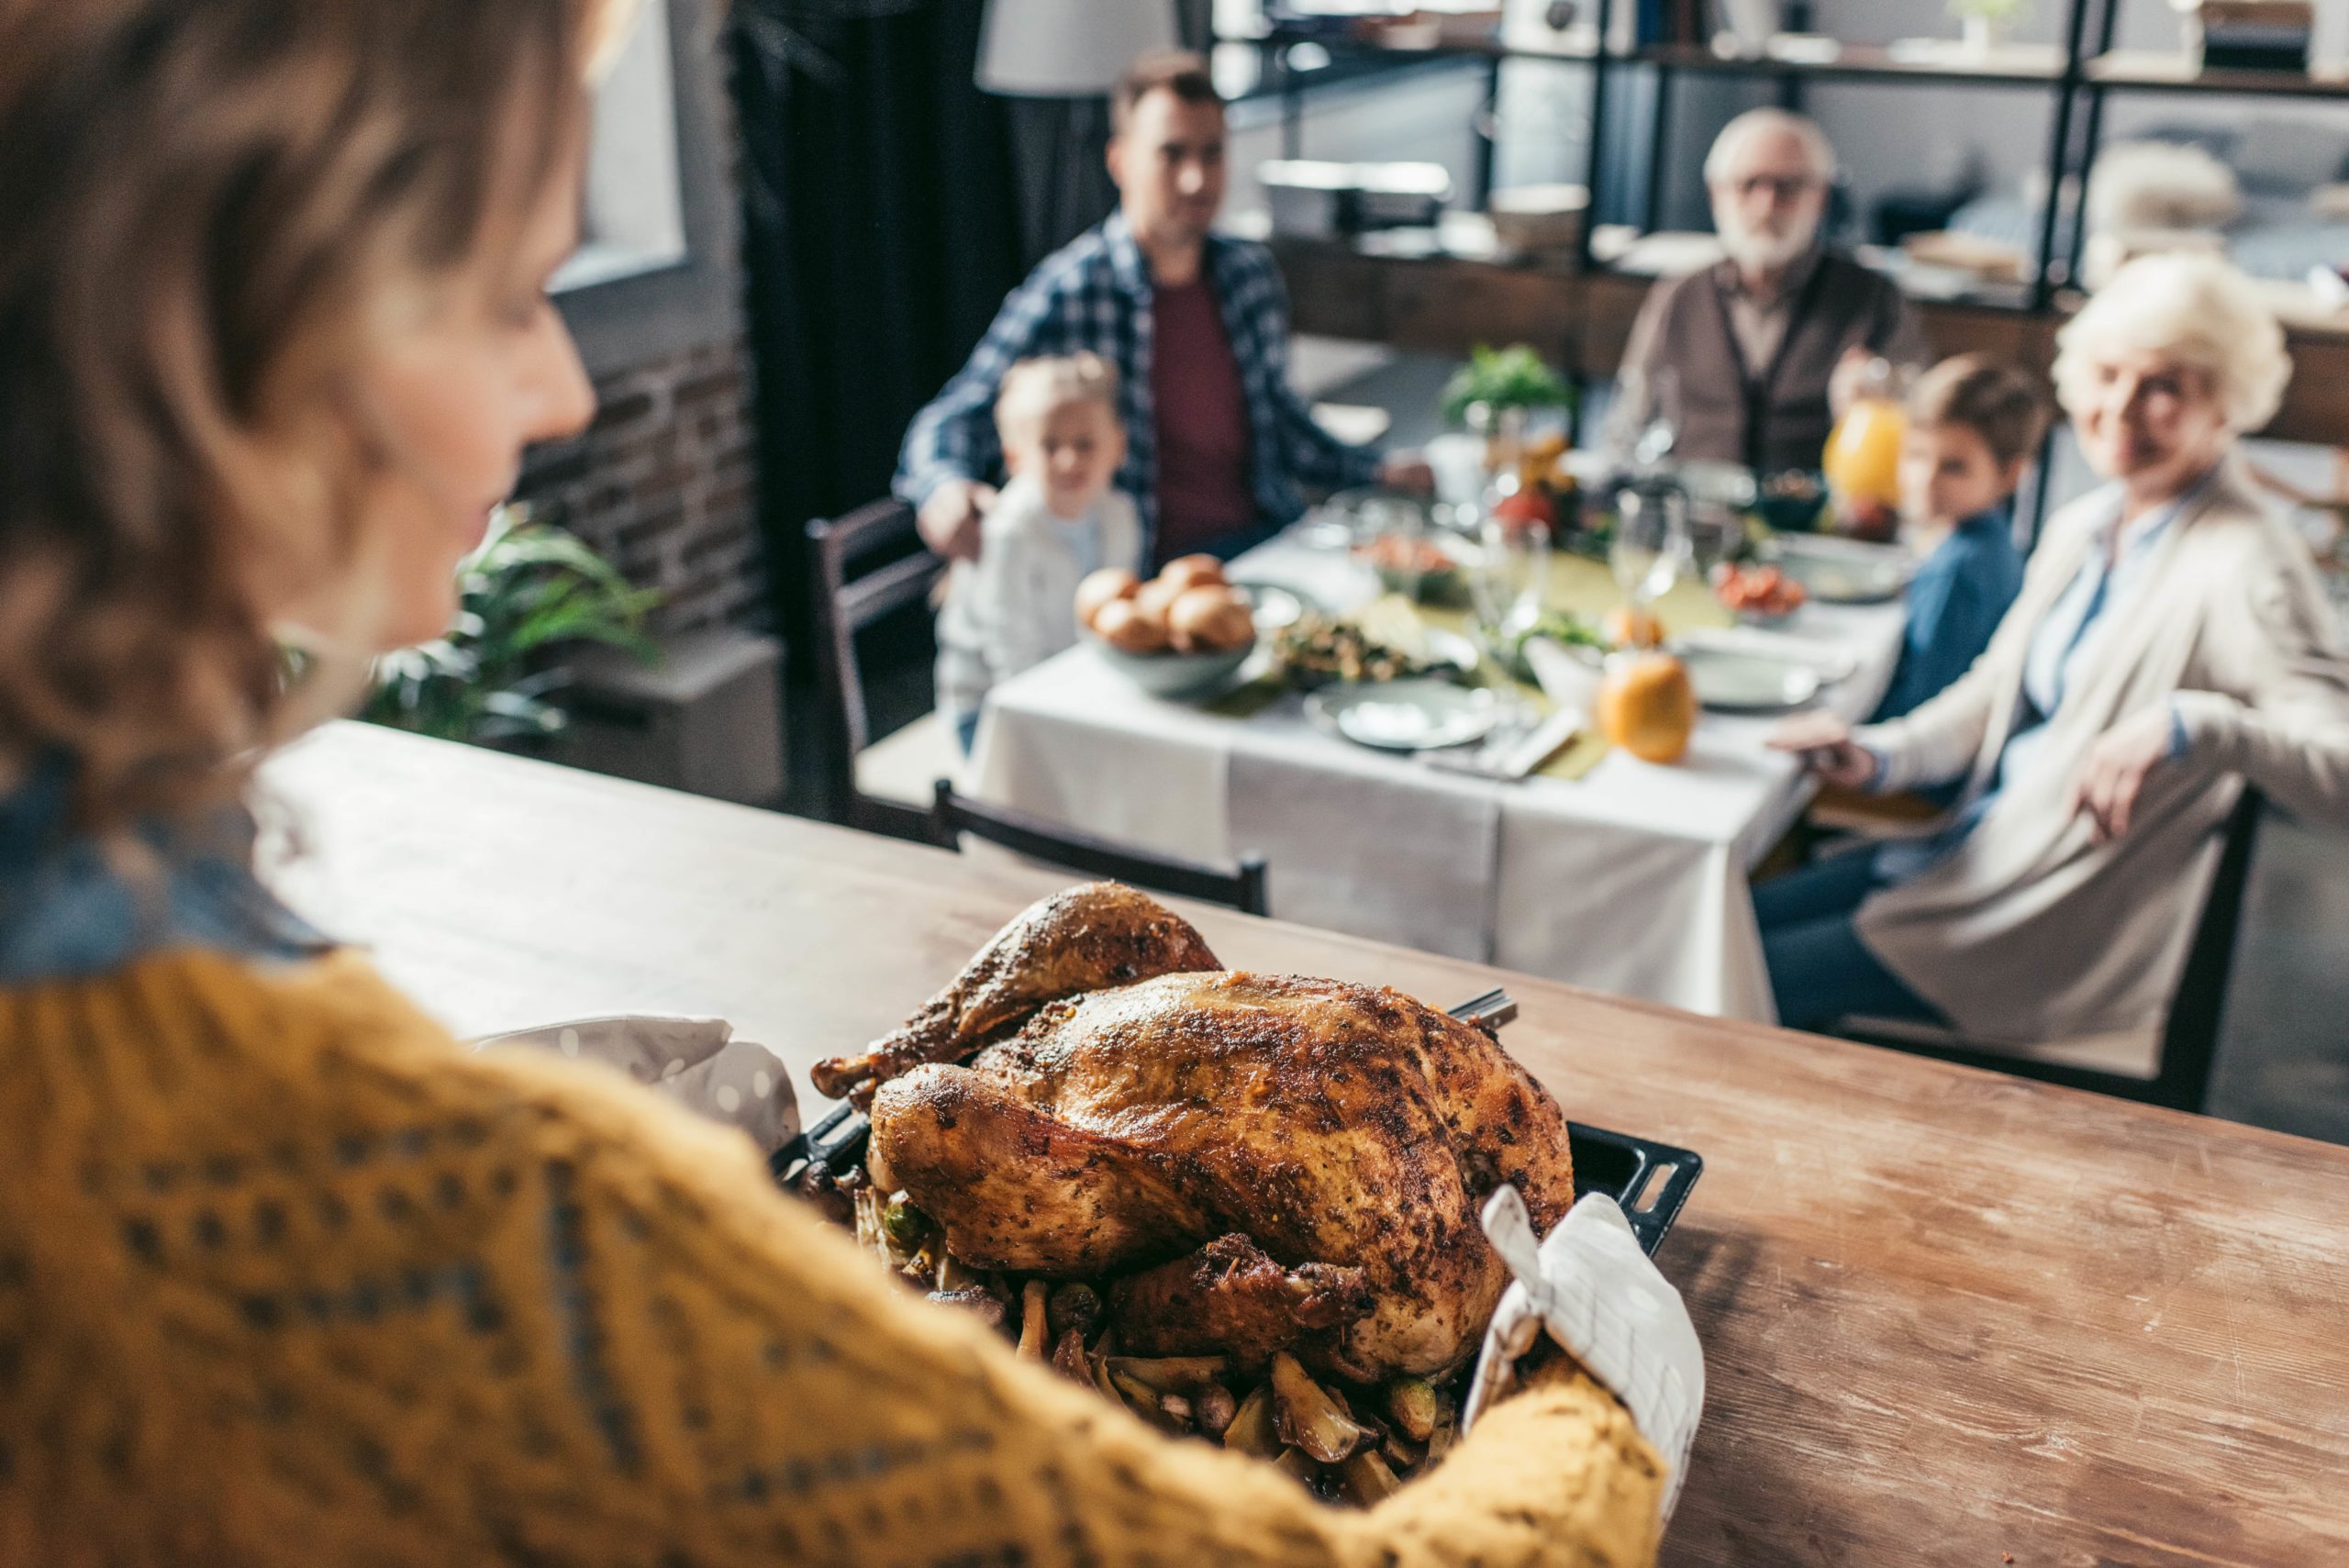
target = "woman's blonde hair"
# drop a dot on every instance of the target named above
(204, 209)
(2194, 309)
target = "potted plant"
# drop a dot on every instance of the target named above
(1983, 20)
(1496, 389)
(527, 594)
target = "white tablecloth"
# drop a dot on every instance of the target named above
(1630, 880)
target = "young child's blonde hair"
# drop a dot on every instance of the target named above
(1033, 389)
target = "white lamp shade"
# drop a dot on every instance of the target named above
(1067, 49)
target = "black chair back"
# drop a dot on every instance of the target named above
(2190, 1043)
(952, 816)
(846, 605)
(2197, 1007)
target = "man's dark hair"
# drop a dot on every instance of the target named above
(2000, 403)
(1176, 70)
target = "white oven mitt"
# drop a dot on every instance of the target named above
(1600, 1296)
(696, 1061)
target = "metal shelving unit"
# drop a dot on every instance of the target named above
(2078, 75)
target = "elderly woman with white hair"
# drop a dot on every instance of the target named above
(2171, 642)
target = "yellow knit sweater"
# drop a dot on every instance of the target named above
(287, 1278)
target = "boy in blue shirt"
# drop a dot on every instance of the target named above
(1974, 425)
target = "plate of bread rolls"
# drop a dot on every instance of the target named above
(1182, 635)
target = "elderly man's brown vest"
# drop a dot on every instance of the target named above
(1770, 417)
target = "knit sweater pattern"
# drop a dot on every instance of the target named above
(287, 1278)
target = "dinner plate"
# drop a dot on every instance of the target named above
(1843, 572)
(1748, 682)
(1273, 606)
(1415, 715)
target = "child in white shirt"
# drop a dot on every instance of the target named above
(1056, 521)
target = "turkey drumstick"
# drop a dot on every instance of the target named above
(1086, 938)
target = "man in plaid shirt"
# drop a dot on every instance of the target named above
(1218, 443)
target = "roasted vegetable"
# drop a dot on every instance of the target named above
(906, 1226)
(1402, 1453)
(1365, 1478)
(1308, 1415)
(1447, 1428)
(1252, 1428)
(1075, 1305)
(977, 1301)
(1149, 1404)
(869, 1233)
(1172, 1374)
(1031, 1320)
(1070, 1360)
(1300, 1468)
(1215, 1408)
(1411, 1401)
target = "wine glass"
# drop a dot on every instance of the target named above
(1512, 579)
(1651, 548)
(1715, 532)
(1661, 430)
(1394, 529)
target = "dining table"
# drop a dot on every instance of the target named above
(1949, 1317)
(1625, 875)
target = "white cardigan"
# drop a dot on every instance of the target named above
(2031, 930)
(1015, 606)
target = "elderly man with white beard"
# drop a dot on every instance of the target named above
(1753, 357)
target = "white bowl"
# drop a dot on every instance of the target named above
(1178, 677)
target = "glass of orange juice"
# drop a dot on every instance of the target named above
(1863, 458)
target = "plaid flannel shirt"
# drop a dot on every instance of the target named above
(1096, 293)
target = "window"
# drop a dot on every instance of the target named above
(634, 219)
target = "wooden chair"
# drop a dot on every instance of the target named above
(2188, 1043)
(952, 816)
(864, 789)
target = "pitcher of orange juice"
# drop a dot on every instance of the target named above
(1863, 458)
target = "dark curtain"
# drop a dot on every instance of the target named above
(1060, 149)
(881, 235)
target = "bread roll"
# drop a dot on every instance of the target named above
(1153, 599)
(1122, 625)
(1210, 620)
(1193, 570)
(1101, 587)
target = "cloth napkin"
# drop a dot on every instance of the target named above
(696, 1062)
(1600, 1297)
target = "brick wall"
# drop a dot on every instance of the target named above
(663, 485)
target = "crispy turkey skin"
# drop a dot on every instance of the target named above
(1285, 1163)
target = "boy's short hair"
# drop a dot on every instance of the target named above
(1031, 389)
(1999, 402)
(1178, 71)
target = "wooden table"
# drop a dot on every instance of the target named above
(1947, 1315)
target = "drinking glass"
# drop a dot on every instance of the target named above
(1658, 431)
(1405, 522)
(1512, 576)
(1650, 549)
(1715, 532)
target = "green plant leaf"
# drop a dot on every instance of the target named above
(1514, 377)
(530, 594)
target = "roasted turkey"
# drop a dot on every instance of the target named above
(1258, 1162)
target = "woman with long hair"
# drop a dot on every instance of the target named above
(285, 1277)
